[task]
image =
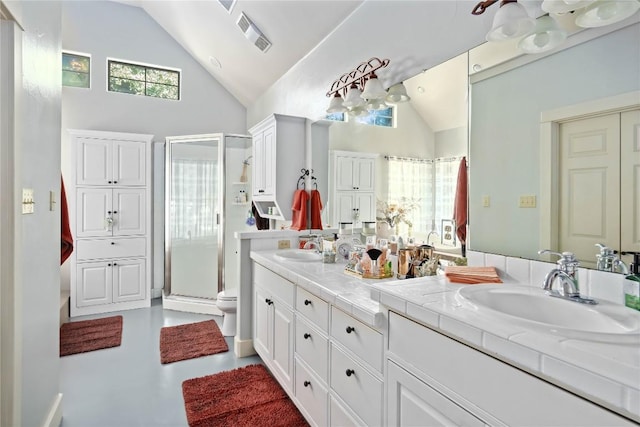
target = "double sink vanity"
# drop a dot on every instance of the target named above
(425, 351)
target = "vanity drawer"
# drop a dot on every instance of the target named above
(312, 347)
(110, 248)
(357, 387)
(276, 285)
(313, 308)
(312, 395)
(364, 341)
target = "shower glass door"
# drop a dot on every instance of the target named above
(193, 229)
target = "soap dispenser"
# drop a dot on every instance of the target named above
(632, 282)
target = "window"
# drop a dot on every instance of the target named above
(76, 69)
(336, 117)
(382, 118)
(193, 204)
(139, 79)
(411, 188)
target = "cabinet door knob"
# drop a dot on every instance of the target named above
(109, 212)
(260, 191)
(307, 302)
(350, 329)
(109, 182)
(115, 182)
(307, 336)
(350, 372)
(115, 263)
(115, 212)
(108, 265)
(307, 383)
(268, 301)
(113, 243)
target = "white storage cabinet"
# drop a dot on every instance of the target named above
(353, 187)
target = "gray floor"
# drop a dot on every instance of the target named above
(127, 385)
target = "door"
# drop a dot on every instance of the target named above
(93, 212)
(193, 232)
(128, 280)
(128, 211)
(94, 283)
(630, 182)
(590, 186)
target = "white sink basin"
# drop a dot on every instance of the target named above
(532, 306)
(298, 255)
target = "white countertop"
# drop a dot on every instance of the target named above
(608, 374)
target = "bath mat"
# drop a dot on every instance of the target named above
(247, 396)
(90, 335)
(190, 341)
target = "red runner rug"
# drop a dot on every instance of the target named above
(190, 341)
(89, 335)
(247, 396)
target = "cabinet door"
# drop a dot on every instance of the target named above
(364, 173)
(129, 209)
(93, 283)
(411, 402)
(93, 210)
(262, 324)
(129, 280)
(269, 140)
(257, 176)
(346, 208)
(366, 206)
(345, 174)
(129, 162)
(264, 172)
(283, 343)
(94, 162)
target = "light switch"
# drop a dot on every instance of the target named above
(27, 201)
(527, 201)
(486, 201)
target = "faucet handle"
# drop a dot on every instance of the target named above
(567, 262)
(605, 251)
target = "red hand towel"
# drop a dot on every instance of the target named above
(460, 205)
(66, 240)
(316, 209)
(299, 207)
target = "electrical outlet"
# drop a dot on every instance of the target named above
(486, 201)
(527, 201)
(284, 244)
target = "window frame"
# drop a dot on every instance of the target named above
(146, 66)
(76, 53)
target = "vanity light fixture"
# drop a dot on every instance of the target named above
(543, 34)
(362, 90)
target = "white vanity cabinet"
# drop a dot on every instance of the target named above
(278, 156)
(274, 323)
(353, 186)
(109, 200)
(435, 380)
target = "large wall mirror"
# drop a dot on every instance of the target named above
(430, 129)
(510, 106)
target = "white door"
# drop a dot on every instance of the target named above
(94, 214)
(413, 403)
(283, 342)
(129, 165)
(263, 324)
(94, 163)
(269, 141)
(128, 210)
(94, 283)
(630, 182)
(345, 174)
(129, 280)
(590, 186)
(365, 170)
(346, 208)
(366, 205)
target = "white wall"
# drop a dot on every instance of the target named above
(35, 286)
(451, 142)
(108, 29)
(505, 119)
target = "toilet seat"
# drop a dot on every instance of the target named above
(228, 295)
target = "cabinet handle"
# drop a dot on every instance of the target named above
(350, 372)
(307, 383)
(260, 191)
(109, 212)
(109, 182)
(108, 265)
(350, 329)
(115, 182)
(115, 263)
(115, 212)
(113, 243)
(307, 335)
(307, 302)
(268, 301)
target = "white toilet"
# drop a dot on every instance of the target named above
(227, 302)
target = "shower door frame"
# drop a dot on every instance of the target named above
(180, 302)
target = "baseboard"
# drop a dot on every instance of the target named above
(64, 307)
(54, 417)
(192, 305)
(243, 348)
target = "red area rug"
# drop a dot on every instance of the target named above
(247, 396)
(90, 335)
(190, 341)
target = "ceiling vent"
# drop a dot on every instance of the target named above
(227, 4)
(253, 33)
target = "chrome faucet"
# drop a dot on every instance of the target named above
(429, 236)
(608, 261)
(315, 242)
(567, 274)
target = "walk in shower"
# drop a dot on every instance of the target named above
(198, 200)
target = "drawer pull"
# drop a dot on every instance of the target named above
(307, 335)
(108, 265)
(113, 243)
(307, 302)
(350, 329)
(307, 383)
(350, 372)
(115, 212)
(114, 264)
(109, 182)
(268, 301)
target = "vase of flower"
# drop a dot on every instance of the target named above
(383, 230)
